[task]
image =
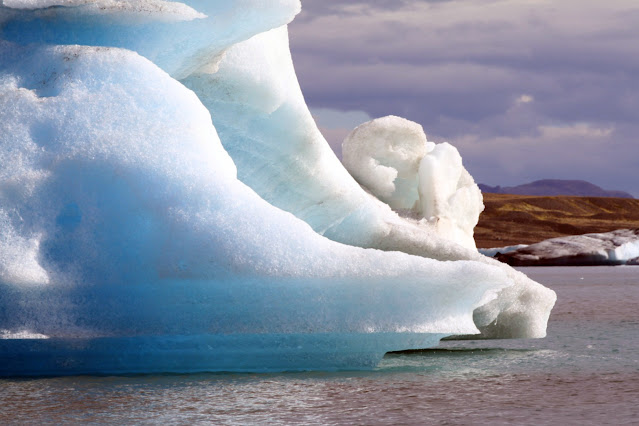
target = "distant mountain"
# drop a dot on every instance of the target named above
(552, 187)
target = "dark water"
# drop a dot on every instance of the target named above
(585, 372)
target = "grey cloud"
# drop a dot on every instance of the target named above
(313, 9)
(459, 67)
(577, 152)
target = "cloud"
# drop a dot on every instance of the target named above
(577, 151)
(511, 75)
(524, 99)
(336, 125)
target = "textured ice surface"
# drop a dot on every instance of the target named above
(391, 157)
(384, 156)
(610, 248)
(280, 153)
(158, 9)
(122, 217)
(127, 236)
(182, 38)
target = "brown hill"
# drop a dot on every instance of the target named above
(524, 219)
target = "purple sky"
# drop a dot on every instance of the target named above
(525, 89)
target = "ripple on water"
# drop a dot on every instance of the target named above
(585, 372)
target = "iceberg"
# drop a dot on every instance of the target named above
(620, 247)
(167, 204)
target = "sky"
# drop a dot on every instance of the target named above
(525, 89)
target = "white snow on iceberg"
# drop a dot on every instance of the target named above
(129, 242)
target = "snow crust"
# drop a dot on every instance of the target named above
(124, 223)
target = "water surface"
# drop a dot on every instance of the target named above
(585, 372)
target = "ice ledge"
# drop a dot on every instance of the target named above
(159, 10)
(182, 38)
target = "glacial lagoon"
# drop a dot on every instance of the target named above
(586, 371)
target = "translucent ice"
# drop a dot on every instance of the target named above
(281, 154)
(181, 37)
(128, 240)
(133, 224)
(150, 9)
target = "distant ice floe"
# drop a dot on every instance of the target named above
(610, 248)
(21, 335)
(491, 252)
(147, 227)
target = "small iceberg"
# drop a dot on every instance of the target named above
(620, 247)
